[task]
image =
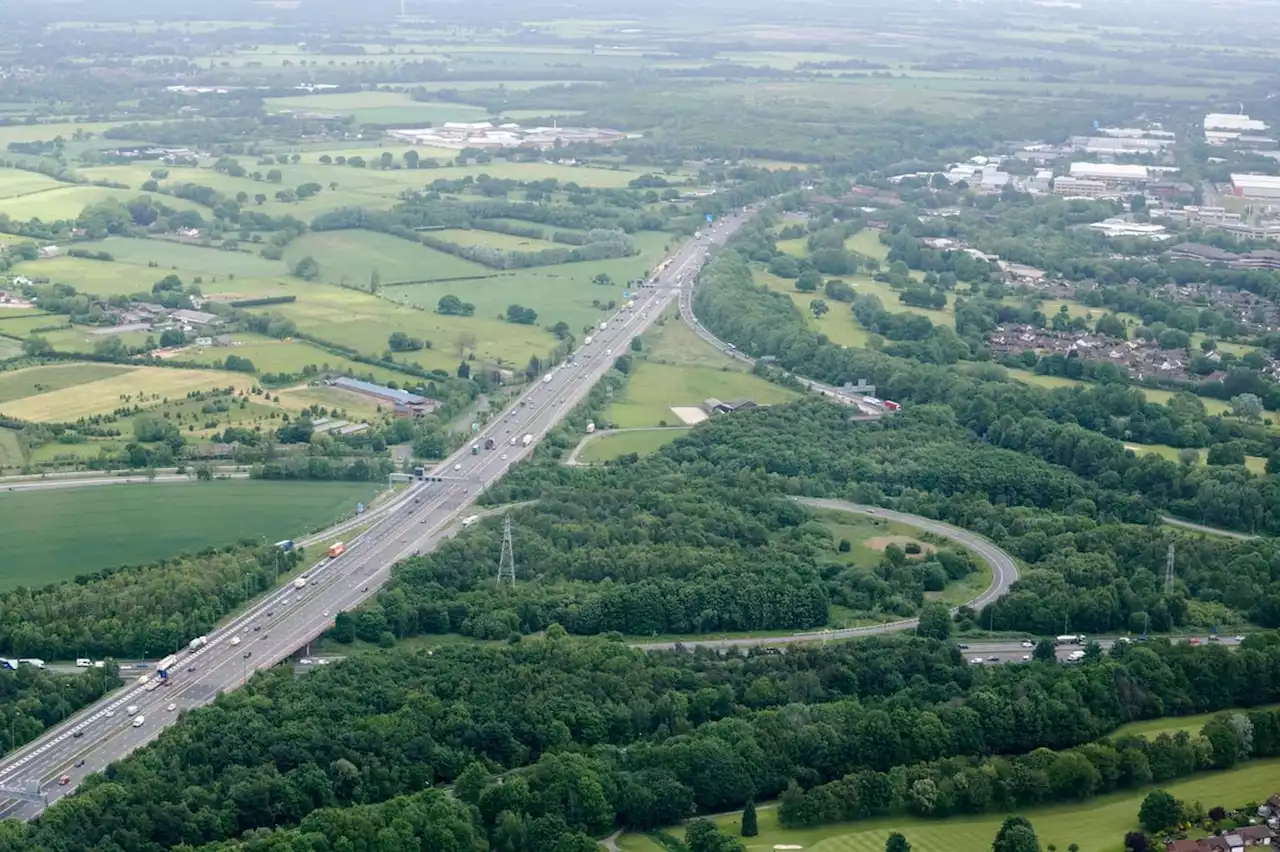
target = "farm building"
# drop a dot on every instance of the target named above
(715, 406)
(379, 392)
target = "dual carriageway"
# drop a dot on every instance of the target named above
(289, 618)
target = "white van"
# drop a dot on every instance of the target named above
(138, 720)
(132, 709)
(82, 663)
(235, 640)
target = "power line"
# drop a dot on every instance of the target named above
(507, 562)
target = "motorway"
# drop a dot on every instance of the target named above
(288, 619)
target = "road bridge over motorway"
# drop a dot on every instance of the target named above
(283, 621)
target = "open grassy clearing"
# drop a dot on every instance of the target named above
(35, 132)
(609, 446)
(1152, 728)
(79, 530)
(9, 348)
(868, 538)
(838, 324)
(351, 405)
(1096, 825)
(86, 397)
(654, 388)
(350, 257)
(1256, 464)
(170, 256)
(670, 341)
(81, 339)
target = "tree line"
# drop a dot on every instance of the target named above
(560, 736)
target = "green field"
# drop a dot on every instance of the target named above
(15, 182)
(350, 257)
(493, 239)
(654, 388)
(39, 380)
(1152, 728)
(837, 324)
(78, 530)
(1097, 825)
(285, 356)
(11, 455)
(609, 446)
(66, 201)
(22, 323)
(66, 392)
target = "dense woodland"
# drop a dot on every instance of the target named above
(137, 611)
(32, 699)
(592, 734)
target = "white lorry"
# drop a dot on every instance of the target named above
(469, 520)
(527, 440)
(300, 583)
(197, 643)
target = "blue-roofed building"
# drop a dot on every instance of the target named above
(381, 392)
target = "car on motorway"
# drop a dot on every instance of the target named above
(325, 613)
(1026, 657)
(264, 636)
(993, 659)
(1239, 638)
(247, 654)
(172, 707)
(975, 661)
(64, 780)
(963, 647)
(77, 735)
(109, 713)
(1028, 644)
(138, 720)
(235, 640)
(504, 456)
(457, 467)
(79, 763)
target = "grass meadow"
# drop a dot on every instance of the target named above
(1097, 825)
(610, 446)
(77, 530)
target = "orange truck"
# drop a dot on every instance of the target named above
(336, 550)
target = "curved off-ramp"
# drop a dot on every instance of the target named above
(1004, 571)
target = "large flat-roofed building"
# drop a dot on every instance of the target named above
(1256, 186)
(1118, 145)
(1077, 188)
(1240, 123)
(392, 395)
(1110, 173)
(1199, 253)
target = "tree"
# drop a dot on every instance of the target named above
(636, 345)
(401, 342)
(1160, 810)
(1136, 841)
(464, 341)
(896, 843)
(521, 315)
(464, 370)
(1045, 651)
(471, 783)
(622, 364)
(809, 281)
(260, 199)
(603, 279)
(1247, 406)
(171, 337)
(452, 306)
(1138, 204)
(308, 269)
(818, 307)
(1016, 835)
(411, 158)
(749, 824)
(935, 621)
(35, 346)
(702, 835)
(275, 176)
(375, 281)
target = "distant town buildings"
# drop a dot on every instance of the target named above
(1237, 131)
(1199, 253)
(458, 135)
(1256, 186)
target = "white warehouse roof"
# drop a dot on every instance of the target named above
(1108, 171)
(1230, 121)
(1256, 182)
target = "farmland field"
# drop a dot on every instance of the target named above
(837, 324)
(350, 257)
(493, 239)
(284, 356)
(39, 380)
(66, 201)
(78, 530)
(15, 182)
(1096, 825)
(19, 324)
(11, 455)
(101, 394)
